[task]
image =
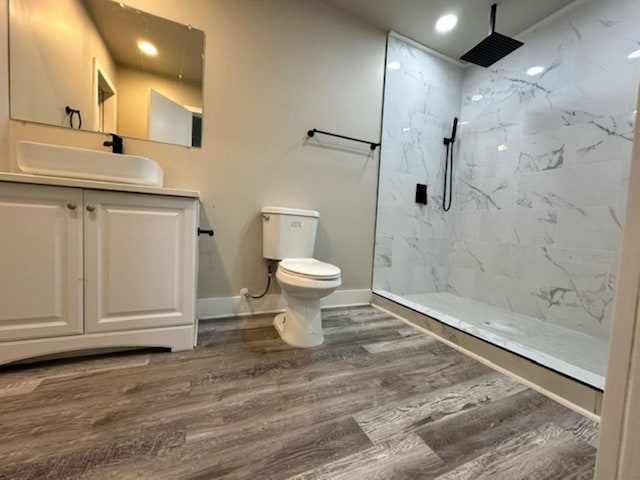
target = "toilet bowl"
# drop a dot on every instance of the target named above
(288, 237)
(304, 281)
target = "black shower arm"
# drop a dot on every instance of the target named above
(492, 18)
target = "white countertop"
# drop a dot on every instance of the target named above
(95, 185)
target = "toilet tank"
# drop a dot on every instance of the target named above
(288, 232)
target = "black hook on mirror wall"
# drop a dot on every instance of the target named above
(71, 112)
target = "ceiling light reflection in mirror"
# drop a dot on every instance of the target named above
(148, 48)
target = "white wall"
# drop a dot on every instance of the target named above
(618, 455)
(169, 121)
(133, 98)
(4, 87)
(59, 70)
(272, 71)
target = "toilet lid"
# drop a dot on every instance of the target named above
(310, 267)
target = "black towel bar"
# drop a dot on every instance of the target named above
(313, 131)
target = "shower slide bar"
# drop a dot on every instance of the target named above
(312, 132)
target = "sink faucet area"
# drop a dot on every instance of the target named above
(70, 162)
(115, 143)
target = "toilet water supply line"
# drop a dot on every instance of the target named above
(245, 291)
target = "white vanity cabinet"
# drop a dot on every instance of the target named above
(40, 261)
(137, 269)
(84, 269)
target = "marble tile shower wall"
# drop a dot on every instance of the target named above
(422, 95)
(541, 175)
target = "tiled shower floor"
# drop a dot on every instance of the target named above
(571, 353)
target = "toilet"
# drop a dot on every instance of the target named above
(288, 236)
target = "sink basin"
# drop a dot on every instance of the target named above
(58, 161)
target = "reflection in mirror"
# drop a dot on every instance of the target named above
(106, 67)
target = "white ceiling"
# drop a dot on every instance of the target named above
(180, 47)
(416, 18)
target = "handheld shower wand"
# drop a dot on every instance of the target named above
(454, 129)
(447, 194)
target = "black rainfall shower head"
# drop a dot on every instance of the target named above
(492, 48)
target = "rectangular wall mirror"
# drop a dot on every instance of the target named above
(85, 64)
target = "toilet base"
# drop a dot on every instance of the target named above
(301, 325)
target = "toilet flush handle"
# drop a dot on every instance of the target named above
(265, 217)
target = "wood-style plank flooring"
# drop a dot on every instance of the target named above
(379, 400)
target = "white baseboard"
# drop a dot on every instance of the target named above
(347, 298)
(219, 307)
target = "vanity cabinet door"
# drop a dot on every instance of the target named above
(140, 254)
(40, 261)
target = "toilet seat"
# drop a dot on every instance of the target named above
(309, 268)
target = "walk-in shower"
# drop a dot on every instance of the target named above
(527, 256)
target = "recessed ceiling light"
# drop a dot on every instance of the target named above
(537, 70)
(502, 148)
(446, 23)
(633, 55)
(147, 48)
(395, 65)
(477, 97)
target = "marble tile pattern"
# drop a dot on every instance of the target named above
(412, 240)
(378, 400)
(541, 171)
(574, 354)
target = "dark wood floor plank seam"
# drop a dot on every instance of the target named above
(545, 452)
(386, 421)
(392, 460)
